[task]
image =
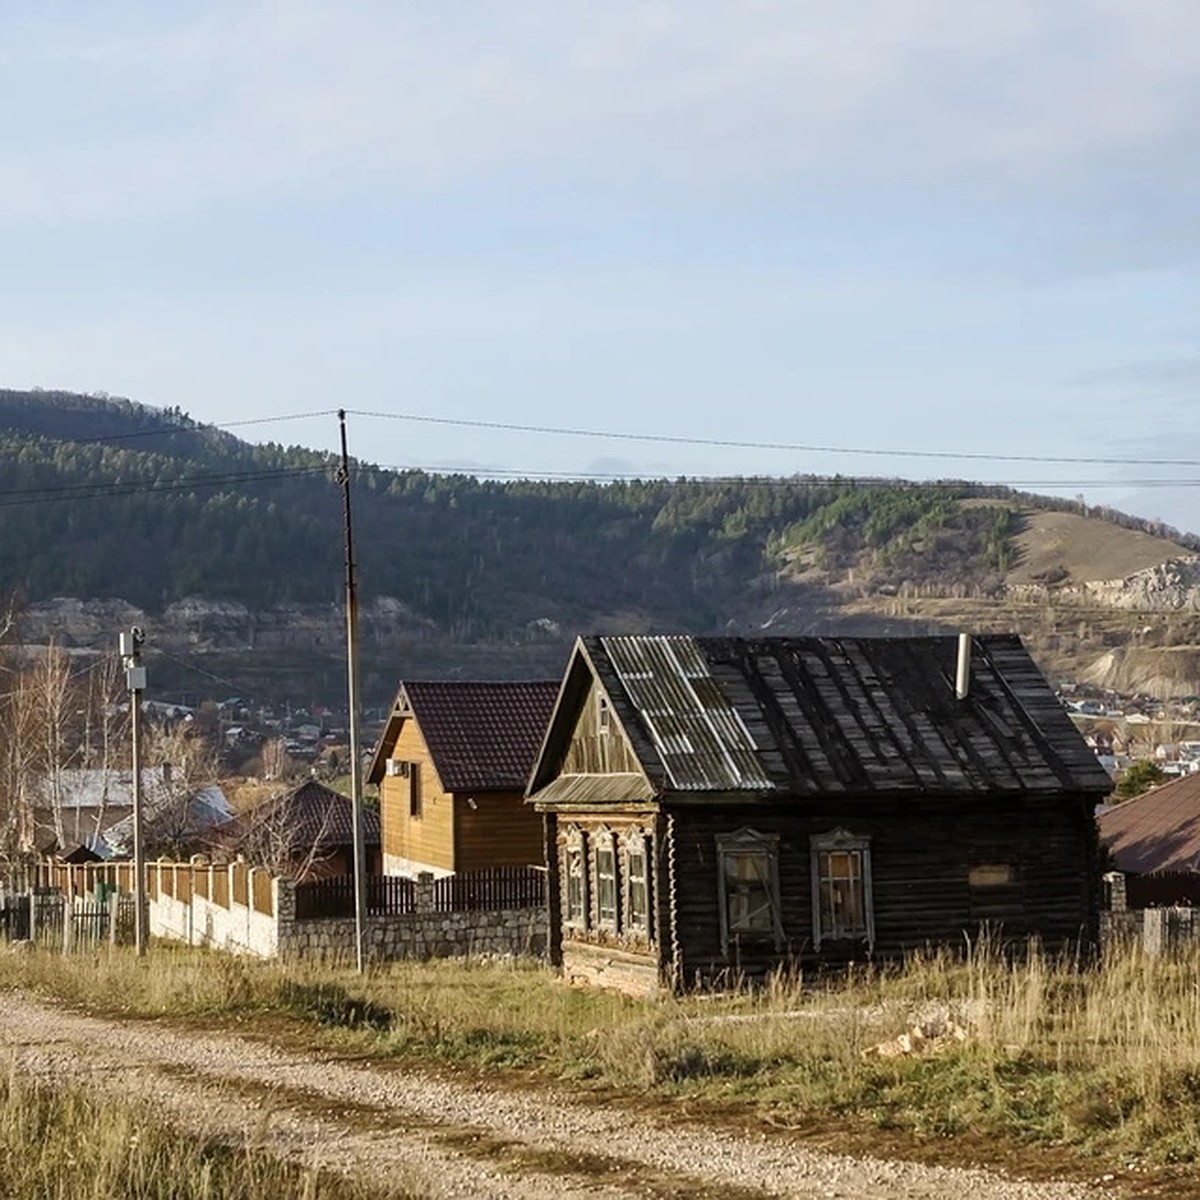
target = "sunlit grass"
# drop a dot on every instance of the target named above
(72, 1145)
(1104, 1058)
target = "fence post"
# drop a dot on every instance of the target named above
(68, 910)
(114, 909)
(423, 892)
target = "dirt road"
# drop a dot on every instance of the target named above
(425, 1135)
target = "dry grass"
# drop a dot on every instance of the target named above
(1104, 1059)
(63, 1143)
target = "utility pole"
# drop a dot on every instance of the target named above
(135, 682)
(360, 853)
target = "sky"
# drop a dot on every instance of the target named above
(909, 238)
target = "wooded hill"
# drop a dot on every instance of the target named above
(107, 498)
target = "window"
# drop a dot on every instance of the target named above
(414, 790)
(575, 882)
(637, 890)
(606, 882)
(841, 880)
(603, 715)
(748, 875)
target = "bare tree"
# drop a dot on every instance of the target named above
(276, 762)
(51, 689)
(286, 836)
(180, 764)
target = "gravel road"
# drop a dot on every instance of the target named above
(428, 1136)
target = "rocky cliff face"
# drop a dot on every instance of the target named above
(217, 625)
(1173, 585)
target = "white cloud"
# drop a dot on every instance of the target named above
(248, 98)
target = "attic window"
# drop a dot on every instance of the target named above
(603, 715)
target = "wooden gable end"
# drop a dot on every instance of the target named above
(598, 744)
(421, 839)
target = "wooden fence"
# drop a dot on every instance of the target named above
(490, 890)
(217, 882)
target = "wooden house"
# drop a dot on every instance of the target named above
(1154, 841)
(716, 808)
(451, 765)
(306, 833)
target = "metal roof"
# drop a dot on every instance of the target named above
(1158, 831)
(841, 715)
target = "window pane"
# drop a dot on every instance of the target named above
(574, 873)
(636, 861)
(748, 892)
(843, 902)
(606, 887)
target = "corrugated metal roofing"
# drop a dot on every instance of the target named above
(1158, 831)
(843, 715)
(482, 736)
(699, 736)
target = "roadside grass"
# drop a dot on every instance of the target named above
(68, 1144)
(1101, 1059)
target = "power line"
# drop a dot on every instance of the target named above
(793, 447)
(96, 491)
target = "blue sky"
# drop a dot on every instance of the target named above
(889, 225)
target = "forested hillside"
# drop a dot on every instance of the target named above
(107, 498)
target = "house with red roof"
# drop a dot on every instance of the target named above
(451, 767)
(1154, 841)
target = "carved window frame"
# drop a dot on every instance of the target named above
(841, 847)
(604, 851)
(575, 871)
(748, 863)
(635, 845)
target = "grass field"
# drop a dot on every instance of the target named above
(1102, 1060)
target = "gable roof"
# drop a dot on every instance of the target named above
(1156, 832)
(806, 716)
(481, 736)
(309, 815)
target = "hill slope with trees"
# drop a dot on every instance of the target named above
(107, 498)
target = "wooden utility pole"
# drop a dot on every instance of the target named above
(360, 854)
(135, 681)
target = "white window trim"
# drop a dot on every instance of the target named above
(637, 841)
(844, 840)
(750, 841)
(575, 843)
(603, 841)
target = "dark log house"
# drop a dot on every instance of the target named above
(717, 808)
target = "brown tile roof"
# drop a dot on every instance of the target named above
(482, 736)
(307, 815)
(1158, 831)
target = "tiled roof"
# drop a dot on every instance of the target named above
(482, 736)
(311, 814)
(858, 716)
(1157, 831)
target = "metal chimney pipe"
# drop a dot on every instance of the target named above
(962, 676)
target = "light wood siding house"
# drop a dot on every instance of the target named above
(451, 766)
(717, 808)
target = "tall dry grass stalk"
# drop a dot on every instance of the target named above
(68, 1145)
(1104, 1057)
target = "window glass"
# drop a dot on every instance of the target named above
(843, 904)
(841, 883)
(606, 886)
(576, 893)
(636, 878)
(748, 897)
